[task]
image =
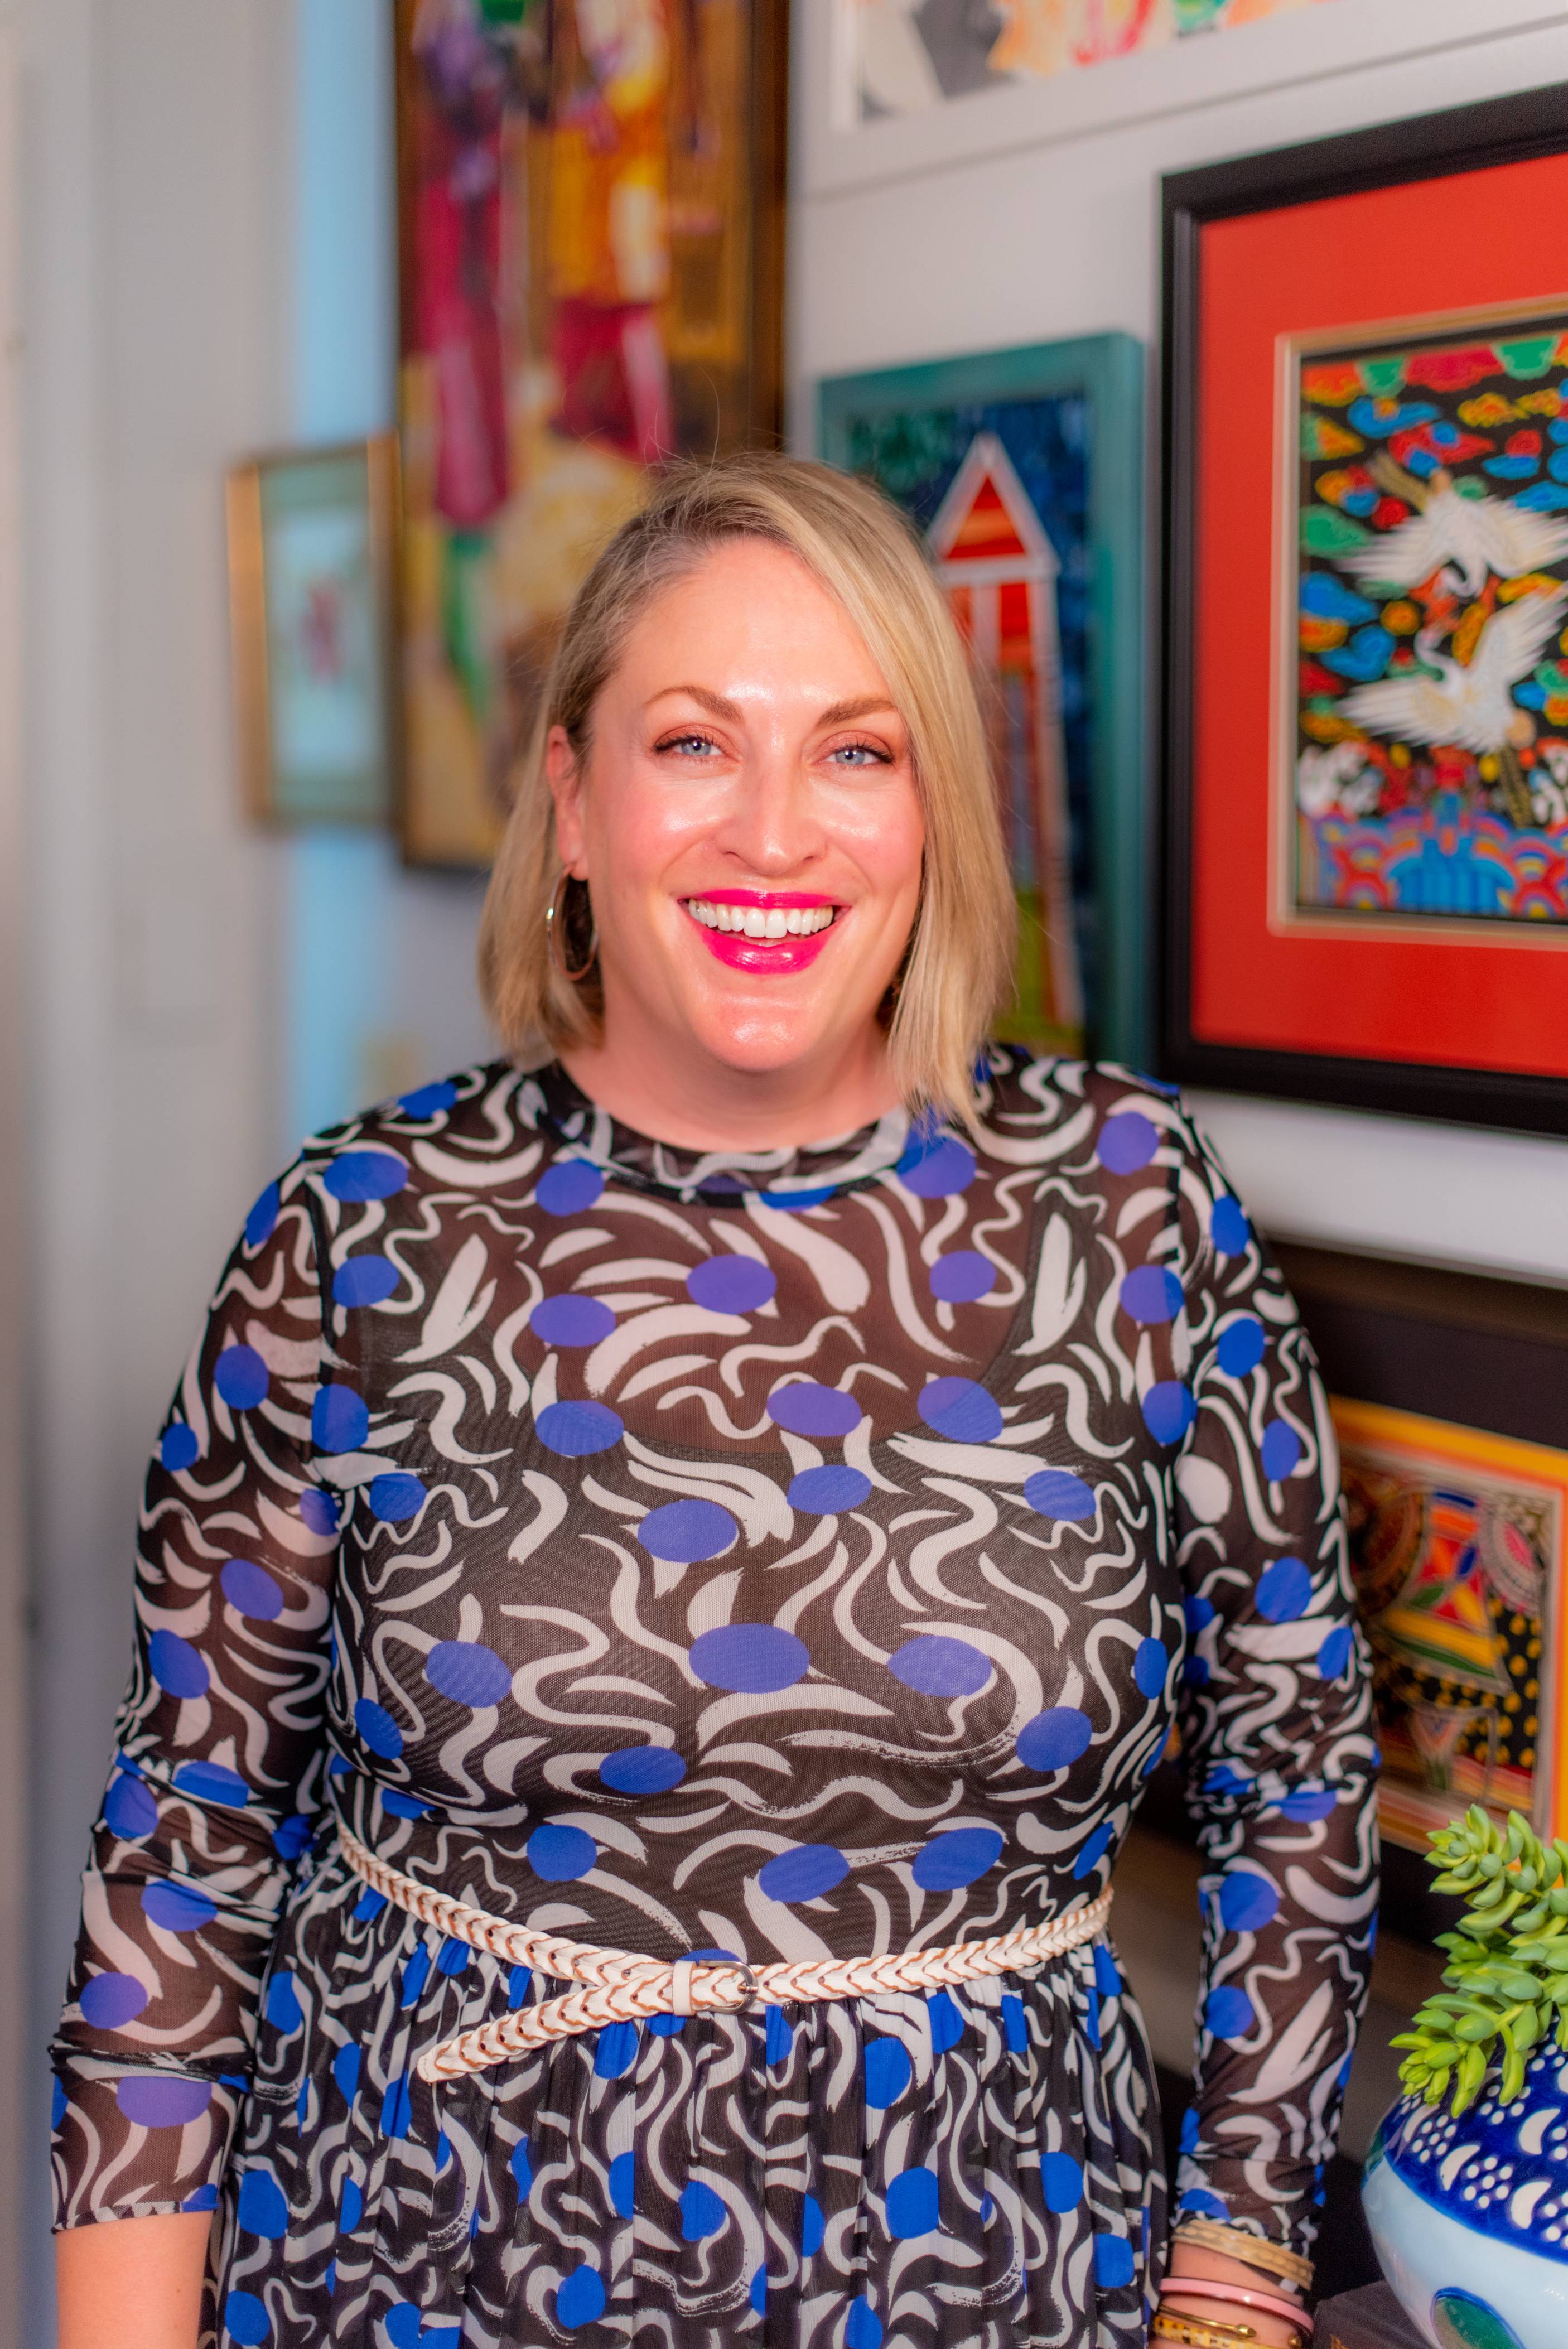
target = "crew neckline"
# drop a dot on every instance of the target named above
(798, 1175)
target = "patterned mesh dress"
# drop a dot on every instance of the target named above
(793, 1554)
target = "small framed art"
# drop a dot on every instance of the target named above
(590, 216)
(311, 598)
(1450, 1396)
(1366, 772)
(1022, 471)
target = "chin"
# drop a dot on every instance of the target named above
(758, 1040)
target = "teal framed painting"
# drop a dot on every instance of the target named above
(1023, 471)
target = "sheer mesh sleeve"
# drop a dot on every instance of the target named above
(209, 1804)
(1277, 1738)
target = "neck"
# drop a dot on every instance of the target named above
(699, 1103)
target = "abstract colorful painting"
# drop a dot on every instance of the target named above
(1430, 651)
(910, 55)
(590, 200)
(1458, 1546)
(1001, 463)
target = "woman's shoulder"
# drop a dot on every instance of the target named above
(1025, 1094)
(480, 1125)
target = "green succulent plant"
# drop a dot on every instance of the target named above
(1506, 1981)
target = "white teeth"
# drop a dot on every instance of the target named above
(753, 922)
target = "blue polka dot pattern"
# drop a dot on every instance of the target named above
(686, 1532)
(1152, 1294)
(732, 1284)
(241, 1377)
(695, 1552)
(560, 1854)
(643, 1770)
(912, 2203)
(251, 1590)
(569, 1187)
(937, 1665)
(957, 1857)
(1057, 1493)
(576, 1430)
(963, 1276)
(824, 1492)
(468, 1672)
(365, 1281)
(1241, 1346)
(805, 1873)
(395, 1495)
(1051, 1739)
(807, 1408)
(1127, 1142)
(570, 1321)
(1284, 1591)
(357, 1175)
(752, 1659)
(961, 1409)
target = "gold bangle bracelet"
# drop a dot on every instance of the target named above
(1203, 2333)
(1235, 2244)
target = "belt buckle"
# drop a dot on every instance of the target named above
(681, 1973)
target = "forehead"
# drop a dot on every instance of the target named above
(747, 609)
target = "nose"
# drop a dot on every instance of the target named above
(773, 827)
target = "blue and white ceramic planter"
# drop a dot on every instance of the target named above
(1469, 2217)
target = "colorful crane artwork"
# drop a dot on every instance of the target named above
(996, 564)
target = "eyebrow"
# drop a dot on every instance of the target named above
(837, 713)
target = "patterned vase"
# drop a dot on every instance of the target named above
(1470, 2216)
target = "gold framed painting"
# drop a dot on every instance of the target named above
(590, 229)
(311, 571)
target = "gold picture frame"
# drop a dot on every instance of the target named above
(312, 607)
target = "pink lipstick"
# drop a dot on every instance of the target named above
(770, 932)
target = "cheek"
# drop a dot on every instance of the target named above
(887, 839)
(635, 832)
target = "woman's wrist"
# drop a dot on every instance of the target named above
(1198, 2285)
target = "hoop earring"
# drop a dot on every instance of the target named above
(554, 935)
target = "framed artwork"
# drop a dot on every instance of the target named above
(908, 59)
(1449, 1396)
(1022, 471)
(1367, 618)
(310, 538)
(590, 231)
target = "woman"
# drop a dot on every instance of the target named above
(746, 1493)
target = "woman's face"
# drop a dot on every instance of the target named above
(748, 821)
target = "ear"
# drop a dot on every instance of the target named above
(563, 773)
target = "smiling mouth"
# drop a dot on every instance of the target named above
(767, 923)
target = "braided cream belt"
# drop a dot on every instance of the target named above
(618, 1986)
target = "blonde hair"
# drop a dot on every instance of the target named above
(957, 967)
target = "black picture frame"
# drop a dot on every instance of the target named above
(1520, 128)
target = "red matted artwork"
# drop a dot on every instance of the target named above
(1366, 762)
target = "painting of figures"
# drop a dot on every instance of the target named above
(1022, 472)
(1430, 628)
(1458, 1548)
(911, 54)
(589, 199)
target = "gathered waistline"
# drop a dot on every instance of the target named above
(619, 1986)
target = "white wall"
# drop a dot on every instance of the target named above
(1039, 218)
(207, 268)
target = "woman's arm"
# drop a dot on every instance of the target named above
(1277, 1743)
(132, 2285)
(210, 1803)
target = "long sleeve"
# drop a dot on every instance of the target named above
(210, 1803)
(1277, 1737)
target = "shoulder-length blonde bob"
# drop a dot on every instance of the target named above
(957, 967)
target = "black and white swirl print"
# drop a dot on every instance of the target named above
(788, 1554)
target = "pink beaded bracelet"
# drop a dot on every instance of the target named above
(1201, 2288)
